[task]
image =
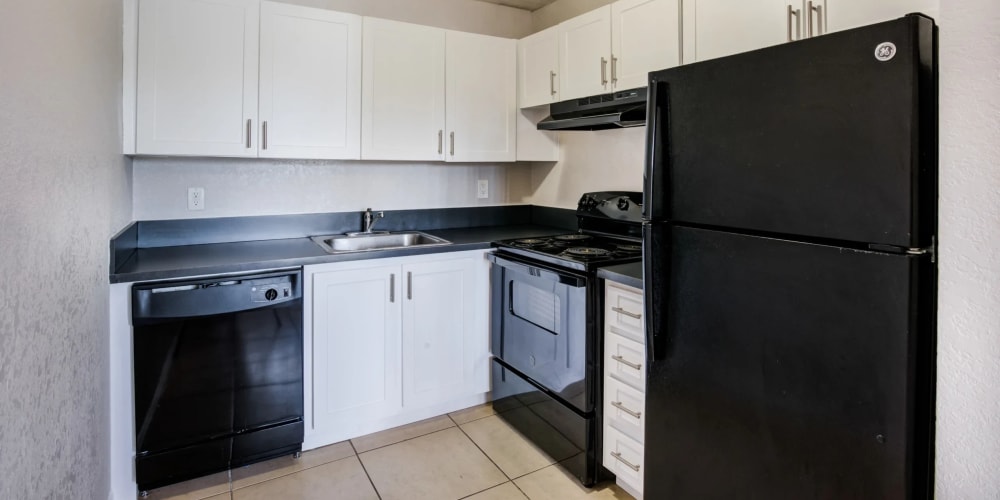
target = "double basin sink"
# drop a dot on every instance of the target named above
(379, 240)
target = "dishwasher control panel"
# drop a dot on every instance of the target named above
(276, 289)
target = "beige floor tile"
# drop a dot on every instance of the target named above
(344, 479)
(222, 496)
(195, 489)
(473, 413)
(442, 465)
(511, 451)
(397, 434)
(506, 491)
(554, 482)
(282, 466)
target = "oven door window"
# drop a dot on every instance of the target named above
(544, 332)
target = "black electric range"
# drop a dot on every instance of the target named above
(545, 325)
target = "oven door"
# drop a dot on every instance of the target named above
(539, 326)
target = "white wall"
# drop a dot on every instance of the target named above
(968, 390)
(64, 188)
(603, 160)
(242, 187)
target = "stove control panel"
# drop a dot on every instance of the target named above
(617, 205)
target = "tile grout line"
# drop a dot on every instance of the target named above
(232, 484)
(487, 489)
(403, 441)
(474, 443)
(369, 476)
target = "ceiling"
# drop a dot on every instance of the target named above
(530, 5)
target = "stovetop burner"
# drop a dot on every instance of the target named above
(530, 242)
(577, 237)
(588, 252)
(629, 248)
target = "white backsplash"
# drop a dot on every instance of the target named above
(245, 187)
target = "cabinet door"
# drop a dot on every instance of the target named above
(310, 83)
(481, 97)
(440, 336)
(847, 14)
(355, 349)
(538, 68)
(197, 77)
(585, 54)
(716, 28)
(402, 111)
(645, 36)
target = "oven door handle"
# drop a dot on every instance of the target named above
(539, 272)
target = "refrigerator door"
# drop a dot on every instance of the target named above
(782, 369)
(828, 138)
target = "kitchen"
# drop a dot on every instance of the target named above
(61, 95)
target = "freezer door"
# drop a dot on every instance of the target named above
(820, 138)
(782, 369)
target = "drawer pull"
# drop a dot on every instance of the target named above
(634, 366)
(626, 462)
(627, 313)
(620, 406)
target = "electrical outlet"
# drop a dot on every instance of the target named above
(483, 189)
(196, 198)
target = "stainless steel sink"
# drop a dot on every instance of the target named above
(364, 242)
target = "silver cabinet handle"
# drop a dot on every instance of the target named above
(409, 285)
(620, 406)
(552, 83)
(627, 313)
(798, 25)
(614, 70)
(249, 128)
(440, 141)
(263, 134)
(819, 18)
(626, 362)
(604, 71)
(809, 23)
(392, 288)
(452, 147)
(626, 462)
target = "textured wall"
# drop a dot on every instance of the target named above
(968, 390)
(602, 160)
(238, 187)
(63, 190)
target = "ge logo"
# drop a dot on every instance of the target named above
(885, 51)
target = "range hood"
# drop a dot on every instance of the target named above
(626, 108)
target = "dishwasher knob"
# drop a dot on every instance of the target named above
(271, 294)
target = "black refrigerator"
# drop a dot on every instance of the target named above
(790, 277)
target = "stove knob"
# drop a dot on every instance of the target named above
(623, 203)
(271, 294)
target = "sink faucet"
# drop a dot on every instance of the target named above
(370, 218)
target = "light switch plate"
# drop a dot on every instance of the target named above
(483, 189)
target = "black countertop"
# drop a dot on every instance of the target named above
(169, 262)
(627, 274)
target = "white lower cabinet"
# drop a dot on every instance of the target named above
(393, 341)
(624, 386)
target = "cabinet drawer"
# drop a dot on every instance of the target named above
(623, 312)
(625, 360)
(623, 456)
(624, 408)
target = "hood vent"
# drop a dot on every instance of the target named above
(606, 111)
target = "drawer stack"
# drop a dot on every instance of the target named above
(624, 385)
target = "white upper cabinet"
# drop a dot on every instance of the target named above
(197, 77)
(585, 54)
(716, 28)
(538, 68)
(310, 83)
(433, 94)
(643, 40)
(481, 100)
(847, 14)
(403, 91)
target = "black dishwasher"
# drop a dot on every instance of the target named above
(217, 369)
